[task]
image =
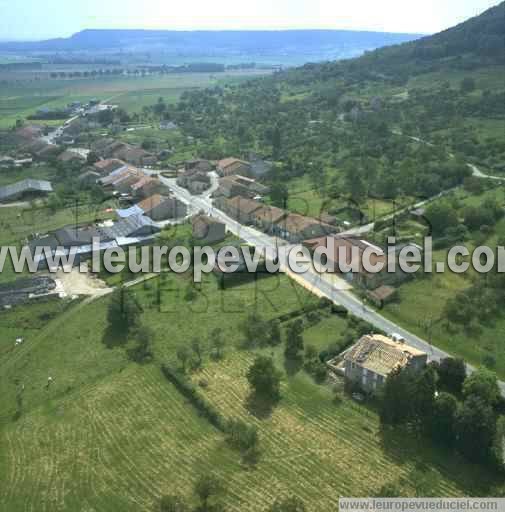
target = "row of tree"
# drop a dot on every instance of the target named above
(454, 410)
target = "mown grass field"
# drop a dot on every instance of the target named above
(129, 92)
(112, 435)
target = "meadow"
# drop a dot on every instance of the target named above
(112, 435)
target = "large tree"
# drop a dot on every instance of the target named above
(397, 397)
(294, 340)
(424, 388)
(476, 429)
(443, 420)
(264, 378)
(124, 311)
(441, 216)
(451, 374)
(207, 487)
(484, 384)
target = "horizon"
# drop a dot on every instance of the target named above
(196, 30)
(393, 16)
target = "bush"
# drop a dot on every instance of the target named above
(187, 389)
(241, 436)
(339, 310)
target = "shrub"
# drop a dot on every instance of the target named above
(187, 389)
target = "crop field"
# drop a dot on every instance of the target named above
(112, 435)
(131, 93)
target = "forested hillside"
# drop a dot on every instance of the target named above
(344, 125)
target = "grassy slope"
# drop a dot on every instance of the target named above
(110, 435)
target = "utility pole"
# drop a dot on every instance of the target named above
(394, 217)
(76, 215)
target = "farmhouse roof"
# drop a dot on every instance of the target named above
(205, 219)
(128, 226)
(28, 185)
(109, 165)
(143, 181)
(128, 212)
(346, 243)
(244, 205)
(152, 202)
(381, 354)
(269, 214)
(295, 223)
(69, 236)
(382, 293)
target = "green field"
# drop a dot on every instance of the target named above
(111, 435)
(129, 92)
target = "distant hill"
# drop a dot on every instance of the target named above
(320, 44)
(477, 42)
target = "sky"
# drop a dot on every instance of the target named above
(39, 19)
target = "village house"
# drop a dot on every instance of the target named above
(133, 227)
(267, 218)
(239, 208)
(134, 230)
(25, 189)
(236, 185)
(198, 165)
(229, 166)
(382, 295)
(147, 186)
(125, 184)
(295, 228)
(207, 230)
(113, 149)
(69, 156)
(41, 150)
(30, 132)
(88, 177)
(348, 251)
(35, 146)
(105, 167)
(168, 125)
(134, 155)
(195, 181)
(115, 178)
(158, 207)
(369, 362)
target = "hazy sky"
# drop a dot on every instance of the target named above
(35, 19)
